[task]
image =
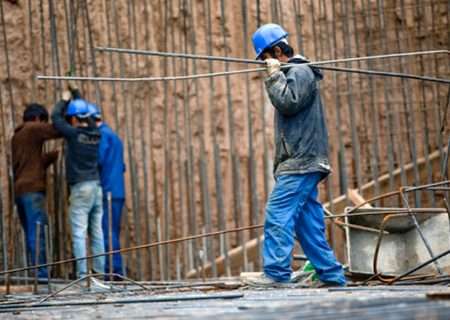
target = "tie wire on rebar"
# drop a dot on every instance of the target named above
(316, 64)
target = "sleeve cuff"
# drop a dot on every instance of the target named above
(270, 80)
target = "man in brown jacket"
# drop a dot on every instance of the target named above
(29, 165)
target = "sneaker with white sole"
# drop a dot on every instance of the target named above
(98, 286)
(301, 276)
(263, 281)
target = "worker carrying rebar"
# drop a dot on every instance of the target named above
(71, 118)
(112, 169)
(30, 164)
(301, 162)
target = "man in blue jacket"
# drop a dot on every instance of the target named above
(112, 167)
(301, 162)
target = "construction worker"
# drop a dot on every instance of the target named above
(29, 168)
(112, 168)
(301, 162)
(82, 141)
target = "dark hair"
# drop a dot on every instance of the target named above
(33, 111)
(88, 120)
(286, 49)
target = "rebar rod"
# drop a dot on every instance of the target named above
(133, 248)
(150, 142)
(172, 241)
(252, 61)
(166, 146)
(404, 197)
(243, 71)
(21, 308)
(420, 266)
(32, 45)
(178, 225)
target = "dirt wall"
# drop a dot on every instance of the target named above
(199, 152)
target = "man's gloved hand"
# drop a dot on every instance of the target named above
(273, 65)
(66, 95)
(72, 86)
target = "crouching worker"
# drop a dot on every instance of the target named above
(70, 117)
(301, 162)
(112, 168)
(29, 168)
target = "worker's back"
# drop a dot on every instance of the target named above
(82, 147)
(28, 160)
(111, 163)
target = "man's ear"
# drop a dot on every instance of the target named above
(277, 51)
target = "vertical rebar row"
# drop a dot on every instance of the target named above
(9, 251)
(149, 110)
(410, 112)
(133, 106)
(251, 166)
(420, 16)
(220, 206)
(128, 136)
(388, 107)
(7, 67)
(189, 162)
(350, 99)
(233, 156)
(392, 109)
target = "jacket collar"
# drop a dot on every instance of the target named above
(299, 59)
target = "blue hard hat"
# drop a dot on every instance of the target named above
(77, 108)
(94, 111)
(266, 37)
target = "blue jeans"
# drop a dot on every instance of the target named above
(293, 208)
(31, 209)
(86, 217)
(117, 206)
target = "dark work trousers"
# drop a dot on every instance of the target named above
(31, 209)
(117, 206)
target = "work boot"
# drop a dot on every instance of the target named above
(263, 281)
(318, 284)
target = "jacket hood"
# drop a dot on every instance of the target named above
(299, 59)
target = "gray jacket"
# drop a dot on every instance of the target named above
(301, 137)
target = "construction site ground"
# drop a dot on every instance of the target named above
(209, 301)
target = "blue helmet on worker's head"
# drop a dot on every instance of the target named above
(94, 111)
(77, 108)
(266, 37)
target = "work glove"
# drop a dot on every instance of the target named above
(72, 86)
(66, 95)
(273, 65)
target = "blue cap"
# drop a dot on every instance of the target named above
(94, 111)
(266, 37)
(77, 108)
